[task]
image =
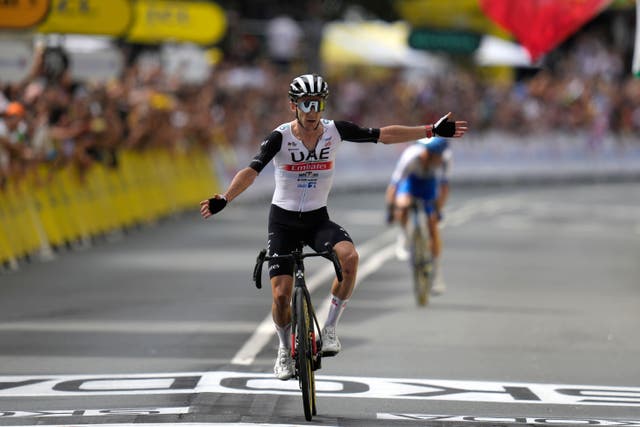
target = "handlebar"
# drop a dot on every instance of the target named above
(257, 270)
(328, 253)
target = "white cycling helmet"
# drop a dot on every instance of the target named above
(308, 85)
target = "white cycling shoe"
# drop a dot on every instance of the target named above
(284, 368)
(438, 287)
(330, 342)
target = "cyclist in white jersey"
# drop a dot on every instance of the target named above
(304, 152)
(422, 172)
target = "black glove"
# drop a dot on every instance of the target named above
(444, 127)
(217, 204)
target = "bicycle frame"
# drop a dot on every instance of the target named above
(304, 349)
(420, 258)
(300, 286)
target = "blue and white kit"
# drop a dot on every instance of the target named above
(411, 177)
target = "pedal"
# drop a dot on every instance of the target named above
(325, 353)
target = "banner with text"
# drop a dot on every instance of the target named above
(21, 14)
(180, 21)
(98, 17)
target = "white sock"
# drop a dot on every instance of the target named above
(284, 335)
(335, 311)
(436, 267)
(403, 233)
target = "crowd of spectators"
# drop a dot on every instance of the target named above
(50, 119)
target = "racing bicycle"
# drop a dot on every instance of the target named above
(306, 347)
(420, 255)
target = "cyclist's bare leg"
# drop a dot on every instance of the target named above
(340, 294)
(348, 257)
(281, 288)
(402, 203)
(435, 245)
(435, 242)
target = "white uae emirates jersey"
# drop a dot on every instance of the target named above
(303, 177)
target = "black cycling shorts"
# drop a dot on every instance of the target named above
(289, 230)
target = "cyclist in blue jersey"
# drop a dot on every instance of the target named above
(303, 152)
(421, 172)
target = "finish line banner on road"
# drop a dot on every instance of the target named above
(510, 421)
(327, 386)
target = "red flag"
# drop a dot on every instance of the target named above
(540, 25)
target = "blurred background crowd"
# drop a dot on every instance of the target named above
(583, 87)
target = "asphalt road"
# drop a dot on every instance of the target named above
(539, 324)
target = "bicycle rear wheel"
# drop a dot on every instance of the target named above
(421, 268)
(304, 357)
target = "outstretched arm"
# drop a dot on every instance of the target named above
(245, 177)
(240, 182)
(444, 127)
(397, 133)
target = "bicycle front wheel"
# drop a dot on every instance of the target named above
(420, 266)
(304, 356)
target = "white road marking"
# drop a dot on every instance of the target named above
(327, 386)
(181, 425)
(510, 420)
(67, 363)
(48, 413)
(129, 327)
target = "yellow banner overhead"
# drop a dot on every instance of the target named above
(19, 14)
(99, 17)
(181, 21)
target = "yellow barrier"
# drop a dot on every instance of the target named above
(57, 208)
